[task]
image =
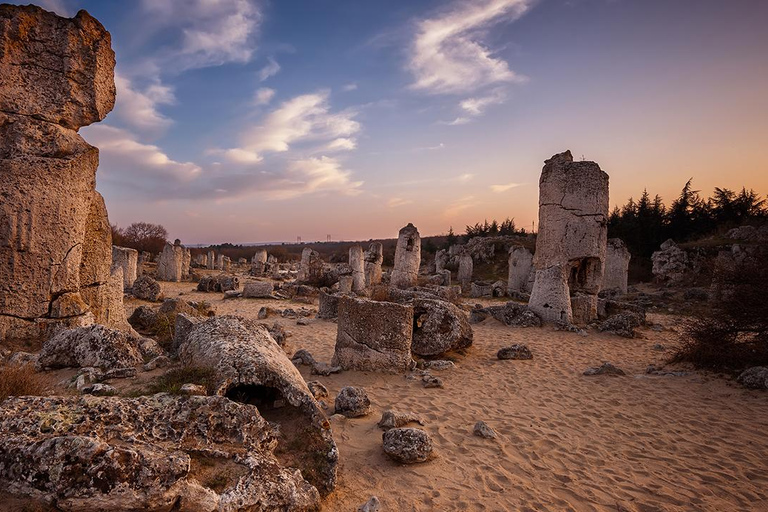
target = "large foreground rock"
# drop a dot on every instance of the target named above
(439, 326)
(88, 454)
(57, 76)
(250, 367)
(373, 336)
(96, 346)
(407, 445)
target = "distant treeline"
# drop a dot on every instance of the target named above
(646, 223)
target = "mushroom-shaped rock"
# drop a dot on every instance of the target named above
(407, 445)
(250, 367)
(439, 326)
(352, 402)
(92, 454)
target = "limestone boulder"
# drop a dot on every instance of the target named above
(95, 346)
(352, 402)
(147, 456)
(407, 445)
(250, 367)
(438, 327)
(755, 377)
(146, 288)
(128, 260)
(328, 305)
(373, 336)
(257, 290)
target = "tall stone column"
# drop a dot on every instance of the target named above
(407, 258)
(571, 243)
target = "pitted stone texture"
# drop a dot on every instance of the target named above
(407, 445)
(170, 266)
(573, 231)
(311, 266)
(373, 336)
(357, 263)
(407, 258)
(147, 456)
(257, 290)
(249, 363)
(441, 260)
(259, 262)
(464, 276)
(146, 288)
(374, 257)
(520, 269)
(55, 69)
(439, 326)
(328, 306)
(128, 260)
(616, 272)
(352, 402)
(211, 260)
(670, 263)
(94, 346)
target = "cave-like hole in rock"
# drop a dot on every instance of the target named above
(300, 445)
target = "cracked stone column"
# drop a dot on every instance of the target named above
(571, 243)
(466, 267)
(211, 260)
(357, 264)
(128, 260)
(617, 259)
(170, 265)
(56, 76)
(520, 267)
(374, 257)
(407, 258)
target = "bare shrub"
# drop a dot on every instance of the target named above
(733, 333)
(20, 380)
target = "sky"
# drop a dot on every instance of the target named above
(249, 121)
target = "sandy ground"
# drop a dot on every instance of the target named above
(566, 441)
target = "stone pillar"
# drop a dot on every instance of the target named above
(358, 268)
(211, 260)
(170, 264)
(520, 268)
(571, 243)
(374, 257)
(56, 76)
(616, 266)
(441, 259)
(186, 261)
(259, 262)
(128, 260)
(311, 266)
(464, 276)
(407, 258)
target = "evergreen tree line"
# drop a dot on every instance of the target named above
(646, 223)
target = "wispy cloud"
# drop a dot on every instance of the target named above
(398, 201)
(303, 118)
(349, 87)
(263, 96)
(459, 206)
(271, 69)
(503, 188)
(139, 108)
(447, 55)
(204, 33)
(464, 178)
(477, 105)
(456, 122)
(341, 144)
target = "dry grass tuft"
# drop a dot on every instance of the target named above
(20, 380)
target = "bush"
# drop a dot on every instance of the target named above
(172, 380)
(20, 380)
(733, 333)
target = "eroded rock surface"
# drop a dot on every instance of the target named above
(407, 258)
(439, 326)
(147, 456)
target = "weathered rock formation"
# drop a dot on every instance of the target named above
(55, 239)
(357, 263)
(211, 260)
(439, 326)
(259, 262)
(373, 336)
(170, 266)
(374, 257)
(250, 367)
(128, 260)
(520, 269)
(616, 266)
(441, 260)
(146, 288)
(257, 290)
(670, 263)
(60, 452)
(311, 266)
(464, 276)
(407, 258)
(571, 243)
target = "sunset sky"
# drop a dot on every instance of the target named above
(252, 121)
